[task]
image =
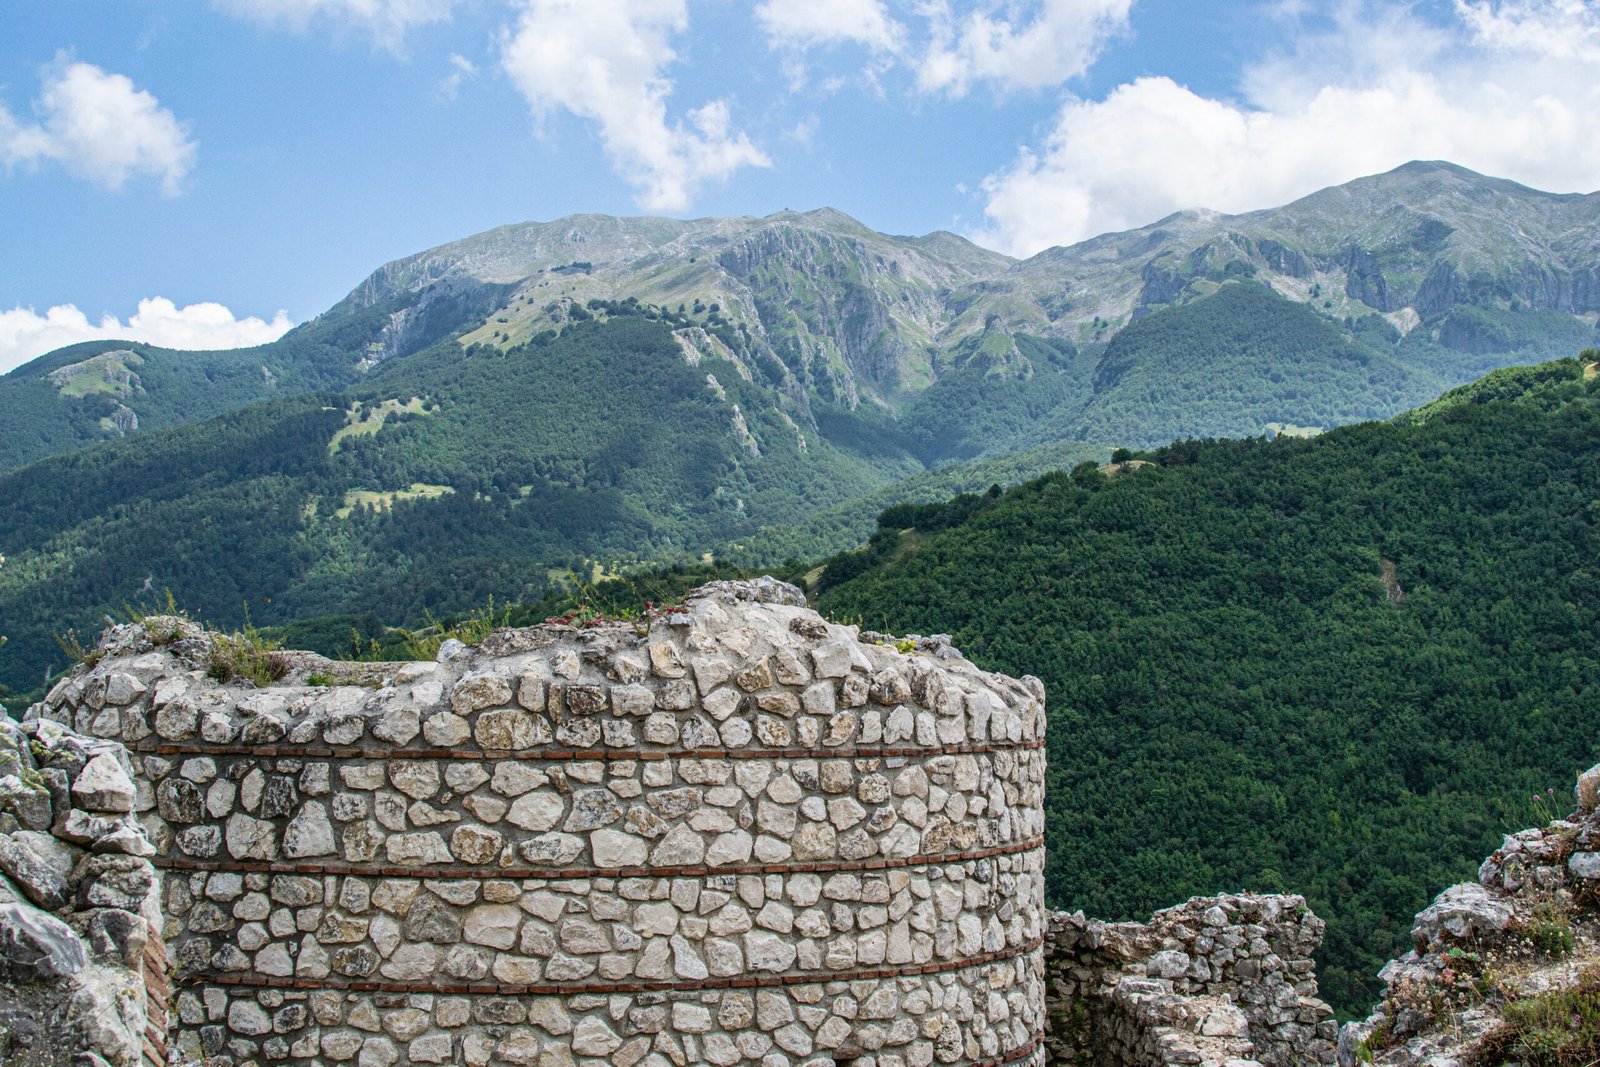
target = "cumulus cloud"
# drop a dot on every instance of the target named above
(386, 21)
(1505, 88)
(603, 60)
(1563, 29)
(997, 43)
(1008, 44)
(805, 23)
(100, 127)
(25, 334)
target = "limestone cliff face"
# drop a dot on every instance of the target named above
(1506, 970)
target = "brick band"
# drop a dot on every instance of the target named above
(1013, 1056)
(576, 755)
(580, 873)
(558, 989)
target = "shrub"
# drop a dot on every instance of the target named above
(246, 655)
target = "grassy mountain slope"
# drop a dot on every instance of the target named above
(933, 344)
(84, 394)
(1412, 244)
(1337, 665)
(451, 476)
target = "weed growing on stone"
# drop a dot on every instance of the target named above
(1548, 928)
(163, 623)
(1544, 807)
(76, 650)
(582, 616)
(423, 643)
(586, 615)
(246, 655)
(1461, 979)
(1374, 1042)
(1560, 1028)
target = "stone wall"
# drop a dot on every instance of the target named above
(731, 834)
(1216, 981)
(82, 966)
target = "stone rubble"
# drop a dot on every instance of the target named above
(1223, 981)
(79, 904)
(1476, 945)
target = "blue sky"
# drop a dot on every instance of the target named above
(208, 173)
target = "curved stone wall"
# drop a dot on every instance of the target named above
(738, 834)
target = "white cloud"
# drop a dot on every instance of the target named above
(386, 21)
(25, 334)
(996, 42)
(1501, 89)
(603, 60)
(1561, 29)
(1010, 45)
(100, 127)
(461, 69)
(805, 23)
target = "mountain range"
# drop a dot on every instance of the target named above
(498, 413)
(1430, 275)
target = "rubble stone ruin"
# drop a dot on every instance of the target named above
(734, 833)
(739, 834)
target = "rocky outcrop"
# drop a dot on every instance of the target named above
(82, 966)
(1494, 961)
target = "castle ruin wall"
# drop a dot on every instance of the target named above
(738, 834)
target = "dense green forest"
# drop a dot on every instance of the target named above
(452, 474)
(1238, 698)
(66, 399)
(1238, 361)
(828, 530)
(1232, 363)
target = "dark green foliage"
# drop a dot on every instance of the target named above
(1237, 701)
(830, 530)
(972, 410)
(1487, 329)
(1543, 386)
(893, 526)
(601, 443)
(37, 420)
(1470, 341)
(1230, 363)
(336, 636)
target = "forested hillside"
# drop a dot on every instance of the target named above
(102, 390)
(1339, 666)
(1355, 302)
(1244, 357)
(452, 475)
